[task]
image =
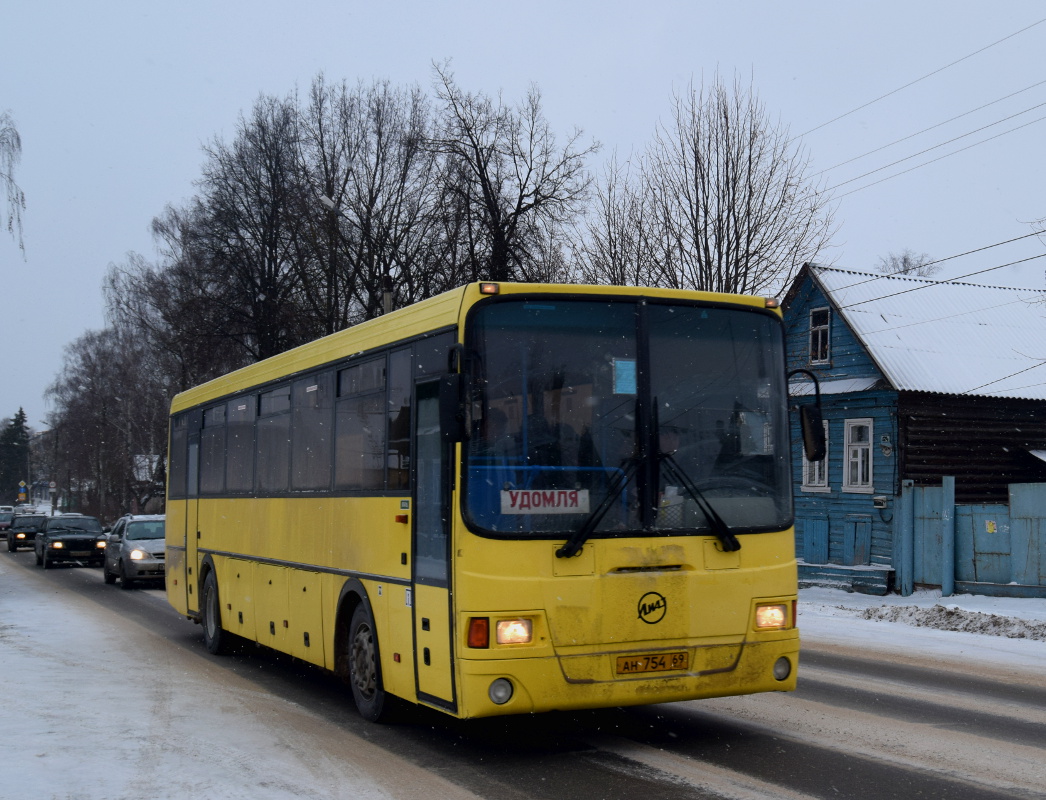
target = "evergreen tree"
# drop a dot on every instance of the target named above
(14, 457)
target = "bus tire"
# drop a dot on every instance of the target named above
(364, 667)
(217, 640)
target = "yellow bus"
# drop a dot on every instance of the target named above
(509, 498)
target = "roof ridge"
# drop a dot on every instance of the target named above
(921, 279)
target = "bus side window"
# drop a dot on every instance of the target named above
(359, 441)
(273, 440)
(311, 422)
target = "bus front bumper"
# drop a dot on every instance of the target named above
(492, 687)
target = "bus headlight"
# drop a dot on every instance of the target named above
(500, 691)
(515, 631)
(771, 617)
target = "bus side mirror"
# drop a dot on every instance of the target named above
(451, 407)
(812, 426)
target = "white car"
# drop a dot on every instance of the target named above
(135, 550)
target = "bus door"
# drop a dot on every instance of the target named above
(433, 629)
(192, 511)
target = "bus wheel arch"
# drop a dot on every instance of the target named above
(216, 638)
(357, 653)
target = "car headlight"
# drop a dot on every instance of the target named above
(19, 535)
(138, 555)
(57, 545)
(100, 543)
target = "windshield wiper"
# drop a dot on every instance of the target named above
(577, 539)
(716, 523)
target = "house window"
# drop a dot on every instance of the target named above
(857, 465)
(815, 473)
(819, 322)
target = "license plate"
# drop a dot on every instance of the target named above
(655, 662)
(80, 553)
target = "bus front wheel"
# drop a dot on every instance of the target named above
(364, 667)
(215, 637)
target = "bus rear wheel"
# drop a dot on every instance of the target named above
(217, 640)
(364, 668)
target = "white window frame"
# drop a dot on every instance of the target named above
(858, 455)
(824, 332)
(817, 470)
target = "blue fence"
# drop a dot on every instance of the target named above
(982, 549)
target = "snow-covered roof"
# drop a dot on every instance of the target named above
(943, 336)
(844, 386)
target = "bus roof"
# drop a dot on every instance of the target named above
(442, 311)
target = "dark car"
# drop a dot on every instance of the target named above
(135, 550)
(22, 532)
(5, 519)
(70, 537)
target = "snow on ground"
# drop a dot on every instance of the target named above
(1007, 633)
(97, 708)
(94, 709)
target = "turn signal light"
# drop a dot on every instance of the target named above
(479, 632)
(489, 288)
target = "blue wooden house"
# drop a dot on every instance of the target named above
(919, 380)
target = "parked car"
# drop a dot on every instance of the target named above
(70, 537)
(22, 532)
(135, 550)
(5, 519)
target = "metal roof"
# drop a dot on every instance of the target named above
(943, 336)
(845, 386)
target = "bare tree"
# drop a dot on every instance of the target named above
(725, 198)
(106, 413)
(619, 245)
(363, 151)
(908, 262)
(510, 178)
(249, 193)
(10, 154)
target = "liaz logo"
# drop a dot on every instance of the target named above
(652, 608)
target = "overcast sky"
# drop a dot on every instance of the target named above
(113, 100)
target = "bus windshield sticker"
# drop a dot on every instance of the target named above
(544, 501)
(624, 376)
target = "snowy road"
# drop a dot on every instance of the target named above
(111, 695)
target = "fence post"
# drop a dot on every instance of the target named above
(906, 532)
(948, 536)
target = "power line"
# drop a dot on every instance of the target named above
(932, 127)
(876, 331)
(1007, 377)
(946, 258)
(935, 160)
(939, 283)
(943, 144)
(924, 77)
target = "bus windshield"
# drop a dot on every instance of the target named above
(632, 417)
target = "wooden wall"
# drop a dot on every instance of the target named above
(983, 441)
